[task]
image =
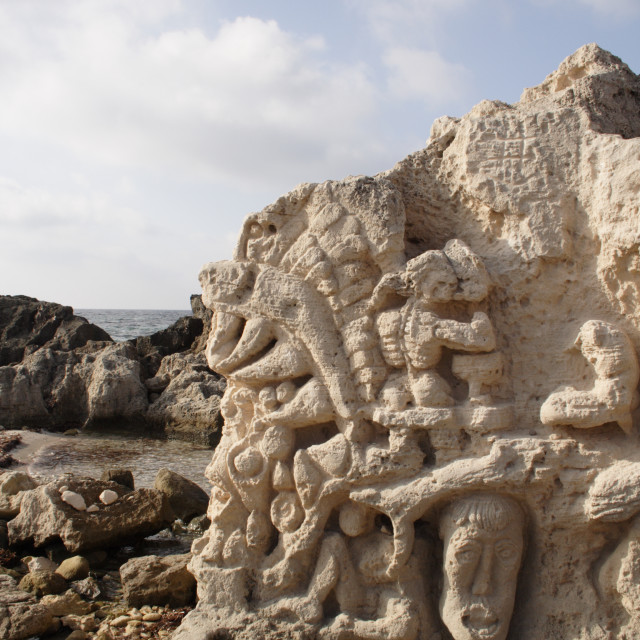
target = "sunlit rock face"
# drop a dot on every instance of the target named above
(431, 424)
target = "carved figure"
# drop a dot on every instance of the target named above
(414, 336)
(612, 396)
(483, 545)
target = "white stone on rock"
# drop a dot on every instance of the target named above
(74, 499)
(108, 496)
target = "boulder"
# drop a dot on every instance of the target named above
(158, 580)
(178, 337)
(21, 616)
(40, 564)
(44, 517)
(42, 583)
(93, 385)
(27, 324)
(74, 568)
(12, 482)
(64, 604)
(189, 405)
(186, 498)
(121, 476)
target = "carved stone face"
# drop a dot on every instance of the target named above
(483, 544)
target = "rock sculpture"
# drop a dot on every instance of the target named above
(409, 450)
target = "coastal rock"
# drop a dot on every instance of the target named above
(189, 406)
(158, 580)
(68, 603)
(432, 408)
(44, 517)
(185, 497)
(180, 336)
(41, 564)
(121, 476)
(21, 616)
(12, 482)
(92, 385)
(27, 324)
(74, 568)
(43, 583)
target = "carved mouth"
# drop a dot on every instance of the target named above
(482, 624)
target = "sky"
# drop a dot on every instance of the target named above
(135, 135)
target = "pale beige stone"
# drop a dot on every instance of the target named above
(431, 423)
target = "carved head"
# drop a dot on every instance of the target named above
(483, 539)
(432, 276)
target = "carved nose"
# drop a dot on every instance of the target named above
(482, 579)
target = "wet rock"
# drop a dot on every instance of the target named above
(156, 580)
(87, 588)
(74, 568)
(21, 616)
(42, 583)
(186, 498)
(121, 476)
(44, 517)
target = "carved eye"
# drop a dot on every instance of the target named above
(507, 552)
(467, 554)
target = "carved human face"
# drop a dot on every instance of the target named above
(480, 575)
(438, 285)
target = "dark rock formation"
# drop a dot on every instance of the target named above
(58, 371)
(27, 324)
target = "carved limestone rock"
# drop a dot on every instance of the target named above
(424, 374)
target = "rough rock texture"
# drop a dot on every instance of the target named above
(61, 372)
(44, 517)
(431, 418)
(27, 324)
(20, 615)
(189, 406)
(158, 580)
(186, 498)
(88, 386)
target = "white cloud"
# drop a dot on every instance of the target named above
(33, 209)
(425, 75)
(252, 101)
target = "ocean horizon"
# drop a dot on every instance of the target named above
(125, 324)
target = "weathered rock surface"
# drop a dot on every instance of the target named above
(44, 517)
(20, 615)
(43, 583)
(431, 418)
(186, 498)
(158, 580)
(189, 405)
(61, 372)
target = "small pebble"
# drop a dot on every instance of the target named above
(120, 621)
(63, 488)
(152, 617)
(93, 508)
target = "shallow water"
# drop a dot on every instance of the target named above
(48, 455)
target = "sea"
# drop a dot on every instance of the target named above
(124, 324)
